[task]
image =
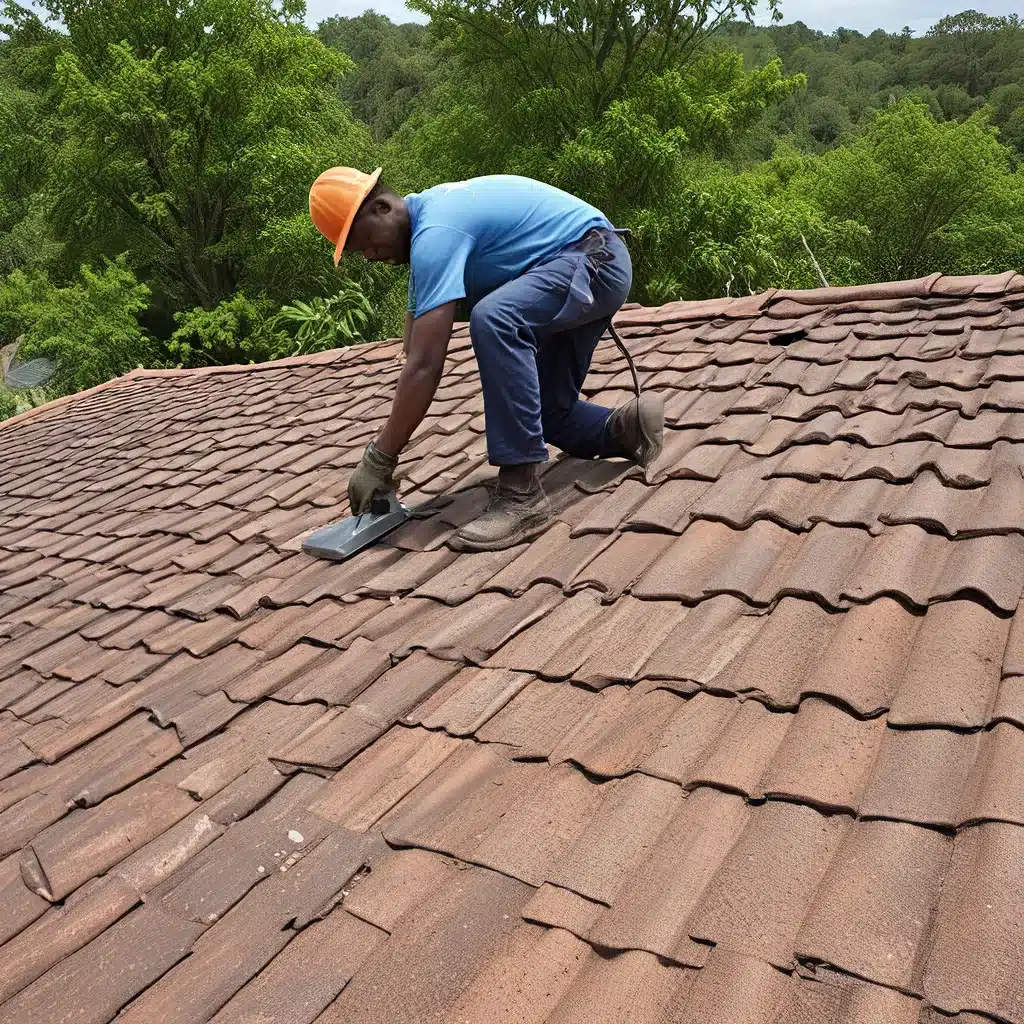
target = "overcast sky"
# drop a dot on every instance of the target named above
(826, 15)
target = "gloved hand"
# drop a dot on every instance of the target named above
(373, 476)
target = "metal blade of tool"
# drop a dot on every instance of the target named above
(342, 540)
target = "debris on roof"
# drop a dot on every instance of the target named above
(740, 742)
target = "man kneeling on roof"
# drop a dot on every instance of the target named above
(542, 273)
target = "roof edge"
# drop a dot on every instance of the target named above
(937, 285)
(317, 359)
(59, 403)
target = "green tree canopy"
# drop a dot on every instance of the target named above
(918, 185)
(186, 131)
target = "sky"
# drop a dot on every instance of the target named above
(826, 15)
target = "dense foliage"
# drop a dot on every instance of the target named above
(155, 157)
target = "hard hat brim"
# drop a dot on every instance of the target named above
(347, 226)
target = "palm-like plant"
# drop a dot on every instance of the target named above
(321, 324)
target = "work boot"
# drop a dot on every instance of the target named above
(518, 510)
(636, 430)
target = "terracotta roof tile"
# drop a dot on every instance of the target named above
(974, 963)
(538, 717)
(240, 944)
(701, 752)
(466, 575)
(337, 738)
(309, 973)
(625, 826)
(275, 835)
(652, 907)
(556, 557)
(953, 669)
(109, 971)
(825, 758)
(89, 842)
(618, 565)
(434, 951)
(468, 700)
(883, 882)
(633, 985)
(750, 907)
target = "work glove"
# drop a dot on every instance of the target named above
(373, 477)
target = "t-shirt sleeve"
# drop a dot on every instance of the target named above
(439, 256)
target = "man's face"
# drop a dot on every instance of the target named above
(381, 232)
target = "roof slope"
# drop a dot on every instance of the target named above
(738, 745)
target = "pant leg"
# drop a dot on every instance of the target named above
(576, 426)
(561, 306)
(563, 362)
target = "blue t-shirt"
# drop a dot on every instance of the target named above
(470, 237)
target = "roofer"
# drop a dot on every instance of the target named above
(542, 273)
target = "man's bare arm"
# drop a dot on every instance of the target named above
(407, 333)
(424, 365)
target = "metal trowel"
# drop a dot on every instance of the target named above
(342, 540)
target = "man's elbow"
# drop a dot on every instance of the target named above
(425, 371)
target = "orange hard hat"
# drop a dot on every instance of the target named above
(335, 197)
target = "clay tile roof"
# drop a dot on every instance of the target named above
(737, 742)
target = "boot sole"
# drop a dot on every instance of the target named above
(528, 531)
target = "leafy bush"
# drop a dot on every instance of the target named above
(238, 330)
(8, 403)
(322, 324)
(90, 329)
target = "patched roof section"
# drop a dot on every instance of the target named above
(736, 742)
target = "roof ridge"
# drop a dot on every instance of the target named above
(935, 285)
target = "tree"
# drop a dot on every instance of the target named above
(394, 65)
(25, 147)
(186, 131)
(918, 186)
(967, 53)
(581, 55)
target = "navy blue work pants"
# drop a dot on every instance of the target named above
(534, 338)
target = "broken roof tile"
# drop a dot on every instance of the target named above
(245, 940)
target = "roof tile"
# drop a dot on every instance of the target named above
(89, 842)
(883, 882)
(435, 950)
(109, 971)
(750, 906)
(243, 942)
(952, 673)
(826, 757)
(974, 963)
(556, 557)
(835, 521)
(468, 700)
(61, 932)
(651, 909)
(308, 974)
(619, 837)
